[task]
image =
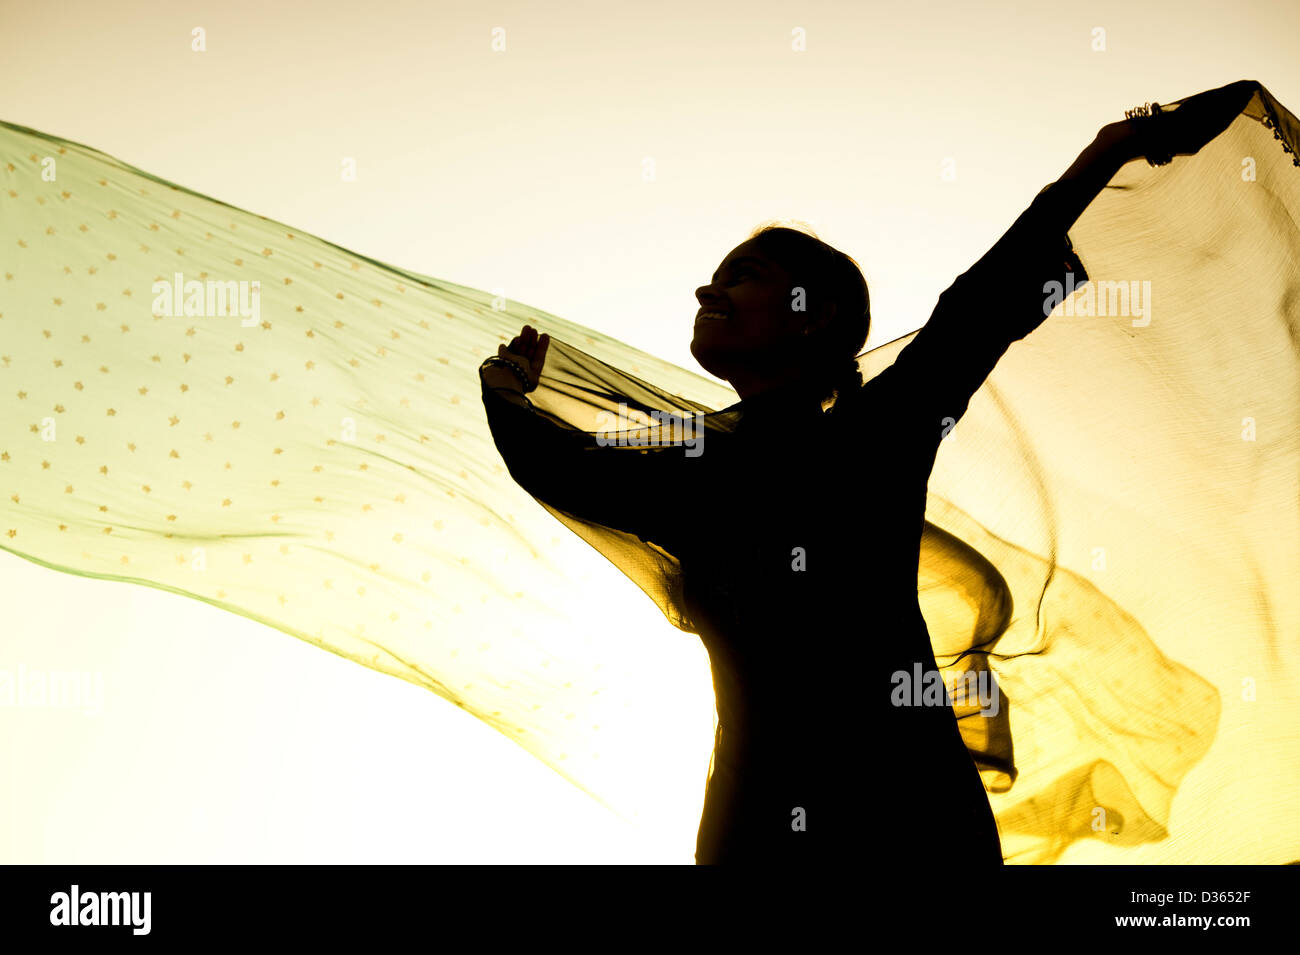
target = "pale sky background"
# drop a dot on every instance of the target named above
(221, 740)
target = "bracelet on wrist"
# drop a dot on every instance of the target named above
(1149, 122)
(514, 366)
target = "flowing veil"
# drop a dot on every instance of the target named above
(202, 400)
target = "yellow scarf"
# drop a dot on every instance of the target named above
(202, 400)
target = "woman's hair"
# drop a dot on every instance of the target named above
(827, 276)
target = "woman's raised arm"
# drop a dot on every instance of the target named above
(1009, 292)
(1180, 130)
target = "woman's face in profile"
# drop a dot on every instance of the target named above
(745, 317)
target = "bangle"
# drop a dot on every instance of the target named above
(1149, 122)
(515, 367)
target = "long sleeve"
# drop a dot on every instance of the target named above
(997, 301)
(620, 487)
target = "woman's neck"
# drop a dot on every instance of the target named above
(794, 397)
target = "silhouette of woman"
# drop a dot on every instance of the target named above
(775, 570)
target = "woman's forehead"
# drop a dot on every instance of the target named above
(749, 250)
(748, 247)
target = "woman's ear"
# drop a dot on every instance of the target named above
(819, 322)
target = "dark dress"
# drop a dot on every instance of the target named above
(798, 536)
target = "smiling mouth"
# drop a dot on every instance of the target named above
(710, 316)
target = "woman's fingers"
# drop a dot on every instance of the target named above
(524, 342)
(529, 347)
(539, 358)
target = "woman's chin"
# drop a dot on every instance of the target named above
(711, 358)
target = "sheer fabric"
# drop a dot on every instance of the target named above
(1110, 529)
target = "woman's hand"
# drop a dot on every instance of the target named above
(527, 350)
(1198, 119)
(1180, 132)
